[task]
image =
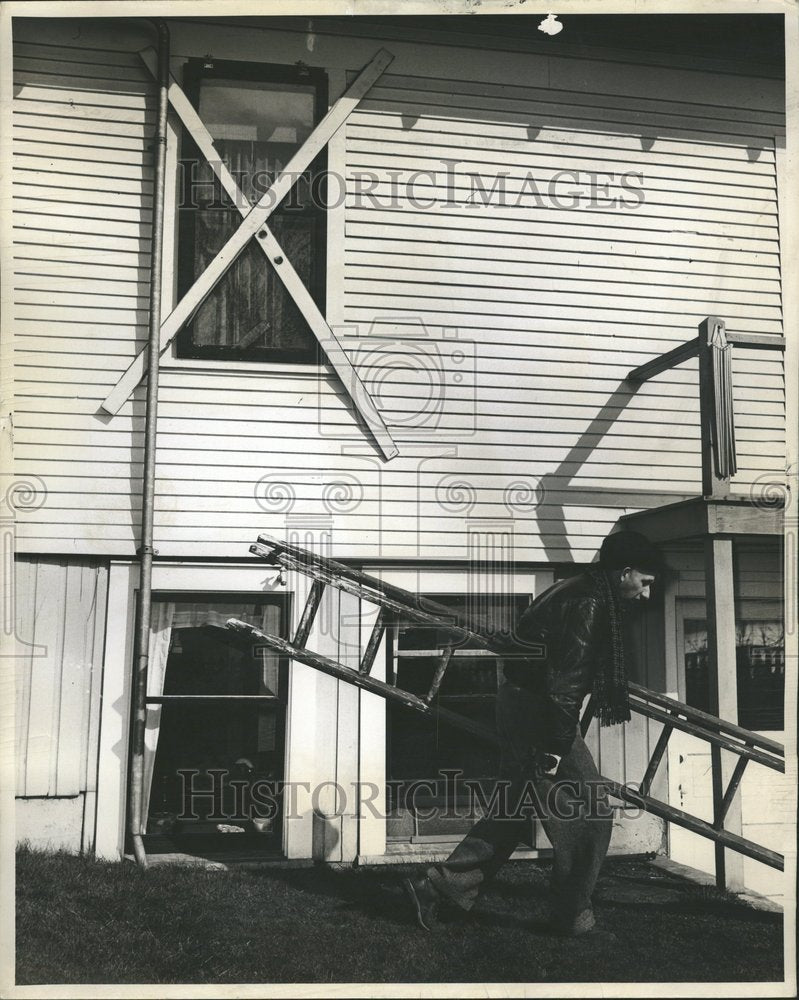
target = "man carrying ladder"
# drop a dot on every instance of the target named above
(579, 623)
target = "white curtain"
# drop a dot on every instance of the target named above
(161, 624)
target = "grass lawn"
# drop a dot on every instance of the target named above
(85, 921)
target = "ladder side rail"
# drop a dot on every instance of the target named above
(715, 739)
(706, 719)
(403, 610)
(668, 812)
(361, 680)
(274, 549)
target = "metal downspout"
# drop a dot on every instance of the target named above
(144, 606)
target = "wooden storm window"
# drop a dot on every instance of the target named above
(258, 116)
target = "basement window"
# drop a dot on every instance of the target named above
(258, 116)
(419, 750)
(214, 750)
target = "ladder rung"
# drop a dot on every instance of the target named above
(438, 676)
(655, 759)
(732, 788)
(364, 681)
(383, 618)
(309, 613)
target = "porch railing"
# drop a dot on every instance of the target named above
(720, 735)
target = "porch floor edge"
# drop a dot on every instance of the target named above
(748, 896)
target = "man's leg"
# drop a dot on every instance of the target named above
(481, 853)
(578, 822)
(493, 839)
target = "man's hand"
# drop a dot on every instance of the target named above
(546, 764)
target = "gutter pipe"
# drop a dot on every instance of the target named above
(144, 605)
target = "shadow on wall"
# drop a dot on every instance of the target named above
(553, 530)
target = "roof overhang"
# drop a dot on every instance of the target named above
(701, 517)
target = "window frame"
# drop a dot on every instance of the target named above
(373, 846)
(195, 72)
(222, 597)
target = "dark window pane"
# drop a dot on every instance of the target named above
(257, 126)
(760, 665)
(760, 654)
(277, 117)
(250, 308)
(421, 750)
(209, 728)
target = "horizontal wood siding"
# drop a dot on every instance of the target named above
(455, 241)
(495, 338)
(60, 609)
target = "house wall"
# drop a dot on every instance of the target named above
(60, 613)
(75, 623)
(528, 319)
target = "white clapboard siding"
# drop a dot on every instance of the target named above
(496, 337)
(703, 240)
(60, 625)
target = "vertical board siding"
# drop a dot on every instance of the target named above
(495, 337)
(60, 614)
(622, 752)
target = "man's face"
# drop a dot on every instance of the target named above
(634, 584)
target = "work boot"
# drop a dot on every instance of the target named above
(424, 899)
(574, 926)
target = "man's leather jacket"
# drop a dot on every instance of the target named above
(572, 623)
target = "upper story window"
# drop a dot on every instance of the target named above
(258, 116)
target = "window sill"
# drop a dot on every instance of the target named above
(259, 368)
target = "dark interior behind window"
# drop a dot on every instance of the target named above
(258, 116)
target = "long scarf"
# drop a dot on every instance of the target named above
(611, 696)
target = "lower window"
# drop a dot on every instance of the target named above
(215, 730)
(427, 802)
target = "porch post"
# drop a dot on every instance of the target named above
(723, 692)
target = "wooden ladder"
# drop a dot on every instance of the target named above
(396, 604)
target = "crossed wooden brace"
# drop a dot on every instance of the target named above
(254, 225)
